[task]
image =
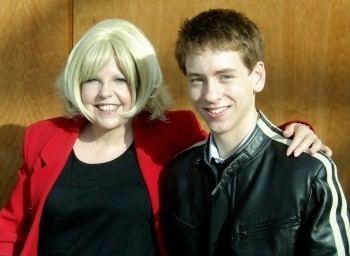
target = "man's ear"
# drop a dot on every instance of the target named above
(258, 75)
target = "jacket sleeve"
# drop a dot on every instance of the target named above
(15, 215)
(327, 220)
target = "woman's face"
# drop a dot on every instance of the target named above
(107, 95)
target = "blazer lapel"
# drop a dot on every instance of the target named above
(51, 161)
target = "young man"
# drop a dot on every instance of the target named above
(238, 193)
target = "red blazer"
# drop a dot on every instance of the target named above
(47, 145)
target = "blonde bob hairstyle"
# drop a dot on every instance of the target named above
(135, 57)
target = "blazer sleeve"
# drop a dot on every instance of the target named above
(327, 220)
(15, 216)
(284, 126)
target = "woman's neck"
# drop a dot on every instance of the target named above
(96, 145)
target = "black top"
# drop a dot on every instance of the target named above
(98, 209)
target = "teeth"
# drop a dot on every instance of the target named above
(217, 110)
(108, 108)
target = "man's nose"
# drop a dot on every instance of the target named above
(212, 91)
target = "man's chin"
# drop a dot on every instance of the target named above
(216, 128)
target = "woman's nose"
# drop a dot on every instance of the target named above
(106, 90)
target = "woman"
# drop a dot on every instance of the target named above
(89, 182)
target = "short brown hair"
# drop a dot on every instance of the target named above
(222, 29)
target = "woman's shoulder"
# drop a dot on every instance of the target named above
(57, 122)
(175, 124)
(47, 127)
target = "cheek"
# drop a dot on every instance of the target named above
(87, 94)
(240, 90)
(124, 95)
(194, 94)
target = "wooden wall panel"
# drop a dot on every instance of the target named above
(307, 56)
(35, 40)
(11, 58)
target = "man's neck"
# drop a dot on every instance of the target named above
(227, 142)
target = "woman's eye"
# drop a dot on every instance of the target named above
(91, 80)
(121, 80)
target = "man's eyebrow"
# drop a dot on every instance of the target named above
(218, 72)
(193, 74)
(225, 70)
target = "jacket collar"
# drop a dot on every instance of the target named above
(242, 155)
(246, 150)
(61, 143)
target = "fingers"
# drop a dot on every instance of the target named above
(299, 131)
(289, 130)
(318, 146)
(302, 142)
(295, 142)
(315, 146)
(326, 150)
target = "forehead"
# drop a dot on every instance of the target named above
(213, 60)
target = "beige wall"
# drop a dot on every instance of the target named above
(307, 61)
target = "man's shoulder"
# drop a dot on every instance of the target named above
(188, 157)
(182, 167)
(320, 164)
(306, 165)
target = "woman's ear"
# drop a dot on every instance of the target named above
(258, 75)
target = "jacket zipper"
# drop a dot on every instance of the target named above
(244, 232)
(229, 171)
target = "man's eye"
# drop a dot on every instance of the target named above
(226, 77)
(195, 81)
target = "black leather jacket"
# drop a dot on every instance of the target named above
(264, 203)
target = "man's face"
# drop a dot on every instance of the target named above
(223, 90)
